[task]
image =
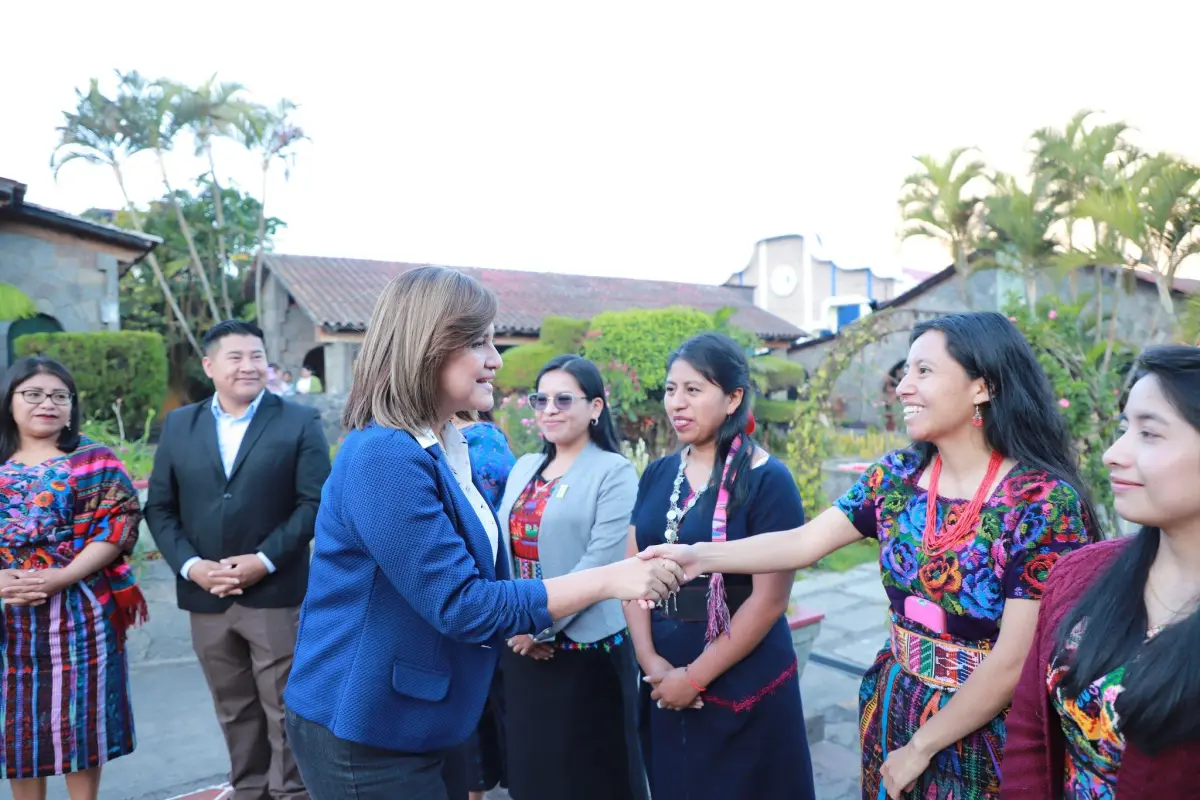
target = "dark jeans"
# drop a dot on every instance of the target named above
(336, 769)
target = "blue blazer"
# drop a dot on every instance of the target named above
(405, 615)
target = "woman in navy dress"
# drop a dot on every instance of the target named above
(721, 715)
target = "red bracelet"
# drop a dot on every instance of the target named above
(695, 685)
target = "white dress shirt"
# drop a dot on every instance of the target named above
(231, 431)
(458, 456)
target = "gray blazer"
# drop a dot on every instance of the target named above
(587, 526)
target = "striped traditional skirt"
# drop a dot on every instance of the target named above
(65, 693)
(910, 681)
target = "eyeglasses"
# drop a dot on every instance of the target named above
(36, 396)
(562, 400)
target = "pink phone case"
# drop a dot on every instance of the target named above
(931, 615)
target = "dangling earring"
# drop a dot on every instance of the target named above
(977, 420)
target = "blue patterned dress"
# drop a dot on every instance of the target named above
(484, 752)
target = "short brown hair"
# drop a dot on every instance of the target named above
(422, 318)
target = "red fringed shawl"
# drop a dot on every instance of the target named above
(107, 510)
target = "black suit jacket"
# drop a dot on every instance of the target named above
(268, 504)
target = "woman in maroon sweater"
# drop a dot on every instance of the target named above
(1110, 695)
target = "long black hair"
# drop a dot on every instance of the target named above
(1020, 419)
(721, 361)
(1160, 704)
(21, 371)
(587, 375)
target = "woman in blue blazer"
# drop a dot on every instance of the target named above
(409, 600)
(570, 692)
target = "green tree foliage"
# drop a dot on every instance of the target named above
(15, 304)
(143, 307)
(1089, 396)
(127, 369)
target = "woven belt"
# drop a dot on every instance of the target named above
(937, 662)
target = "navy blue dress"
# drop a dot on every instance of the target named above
(749, 739)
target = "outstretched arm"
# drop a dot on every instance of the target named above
(767, 552)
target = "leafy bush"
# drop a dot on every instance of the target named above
(123, 368)
(564, 334)
(522, 365)
(1089, 376)
(642, 339)
(515, 418)
(781, 412)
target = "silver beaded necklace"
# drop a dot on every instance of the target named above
(675, 514)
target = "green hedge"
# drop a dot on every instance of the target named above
(107, 365)
(777, 411)
(522, 365)
(565, 334)
(642, 339)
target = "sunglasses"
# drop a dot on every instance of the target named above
(562, 401)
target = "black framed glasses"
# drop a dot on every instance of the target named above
(36, 396)
(562, 401)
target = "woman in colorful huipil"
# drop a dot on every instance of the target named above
(969, 521)
(721, 715)
(1109, 702)
(68, 516)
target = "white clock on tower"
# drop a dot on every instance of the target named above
(784, 280)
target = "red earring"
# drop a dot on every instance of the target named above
(977, 420)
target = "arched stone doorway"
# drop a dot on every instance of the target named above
(42, 323)
(314, 359)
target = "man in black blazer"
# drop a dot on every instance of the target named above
(233, 499)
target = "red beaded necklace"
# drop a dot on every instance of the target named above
(956, 528)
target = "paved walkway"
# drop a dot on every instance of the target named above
(181, 750)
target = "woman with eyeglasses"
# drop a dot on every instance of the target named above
(570, 690)
(68, 516)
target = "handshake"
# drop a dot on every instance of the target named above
(652, 575)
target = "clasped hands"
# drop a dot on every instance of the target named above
(654, 574)
(32, 587)
(230, 576)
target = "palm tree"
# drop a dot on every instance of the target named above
(1078, 162)
(97, 132)
(1018, 230)
(273, 134)
(150, 107)
(936, 203)
(209, 111)
(15, 304)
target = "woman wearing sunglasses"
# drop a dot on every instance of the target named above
(570, 690)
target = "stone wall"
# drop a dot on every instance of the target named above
(330, 404)
(66, 277)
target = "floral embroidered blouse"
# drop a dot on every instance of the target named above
(1090, 725)
(1030, 520)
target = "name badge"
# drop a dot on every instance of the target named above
(561, 491)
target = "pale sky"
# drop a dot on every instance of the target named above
(654, 139)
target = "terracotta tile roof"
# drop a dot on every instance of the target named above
(339, 294)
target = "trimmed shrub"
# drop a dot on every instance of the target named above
(521, 366)
(565, 334)
(642, 339)
(130, 366)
